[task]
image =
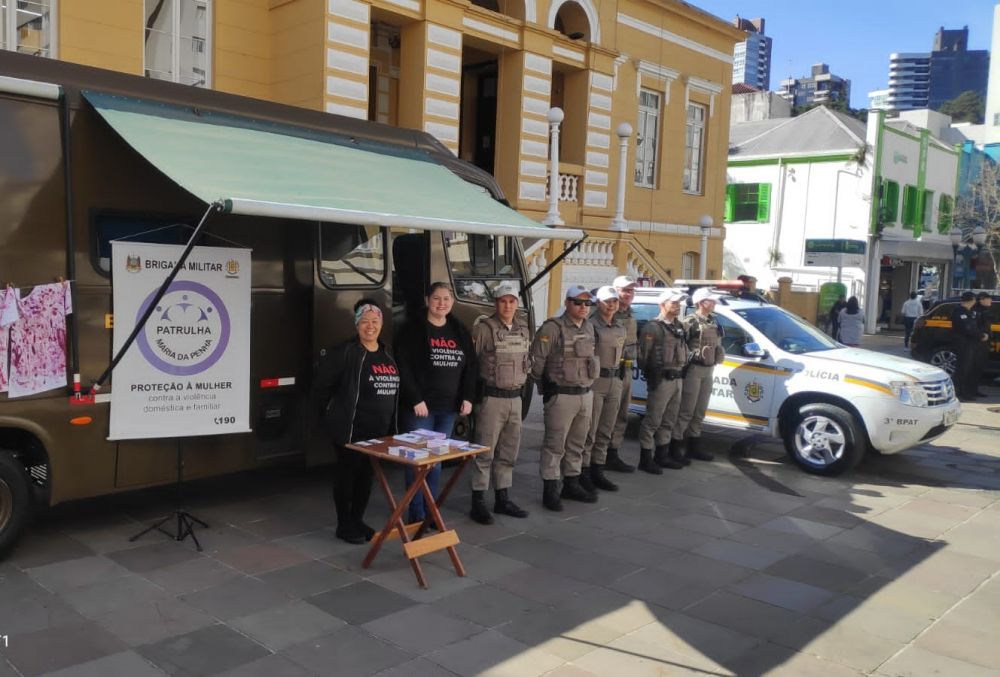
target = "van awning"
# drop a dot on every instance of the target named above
(262, 168)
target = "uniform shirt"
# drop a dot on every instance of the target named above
(631, 333)
(547, 349)
(485, 341)
(964, 325)
(912, 308)
(447, 360)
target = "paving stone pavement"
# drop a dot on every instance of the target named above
(734, 567)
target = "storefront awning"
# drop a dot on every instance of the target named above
(266, 169)
(913, 250)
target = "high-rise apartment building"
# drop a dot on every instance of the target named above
(821, 86)
(928, 79)
(752, 57)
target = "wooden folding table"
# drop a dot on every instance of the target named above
(415, 543)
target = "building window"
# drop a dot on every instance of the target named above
(946, 208)
(351, 256)
(748, 202)
(694, 148)
(890, 201)
(647, 134)
(911, 206)
(689, 265)
(177, 41)
(26, 26)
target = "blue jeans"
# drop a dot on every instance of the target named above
(908, 323)
(438, 421)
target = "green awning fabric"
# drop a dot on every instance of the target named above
(267, 169)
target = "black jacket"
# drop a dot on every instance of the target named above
(341, 378)
(964, 325)
(413, 356)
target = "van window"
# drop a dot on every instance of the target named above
(479, 263)
(109, 227)
(351, 256)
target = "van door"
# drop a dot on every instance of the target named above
(352, 263)
(743, 388)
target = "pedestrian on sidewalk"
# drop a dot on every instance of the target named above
(835, 309)
(363, 386)
(911, 310)
(965, 339)
(852, 323)
(437, 369)
(984, 318)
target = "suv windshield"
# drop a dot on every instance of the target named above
(787, 331)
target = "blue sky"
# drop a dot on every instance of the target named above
(855, 37)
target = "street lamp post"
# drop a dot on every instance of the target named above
(552, 218)
(705, 223)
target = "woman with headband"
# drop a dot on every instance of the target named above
(438, 372)
(364, 389)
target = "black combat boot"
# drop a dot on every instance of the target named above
(661, 457)
(573, 491)
(599, 479)
(502, 505)
(550, 495)
(585, 482)
(480, 513)
(614, 462)
(646, 462)
(678, 452)
(694, 450)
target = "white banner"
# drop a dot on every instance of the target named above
(188, 371)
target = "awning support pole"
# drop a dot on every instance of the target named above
(555, 262)
(215, 207)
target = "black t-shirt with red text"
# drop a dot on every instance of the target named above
(445, 375)
(377, 391)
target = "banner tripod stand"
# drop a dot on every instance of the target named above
(185, 520)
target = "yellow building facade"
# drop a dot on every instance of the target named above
(481, 77)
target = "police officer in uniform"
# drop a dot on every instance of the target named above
(984, 317)
(663, 355)
(607, 390)
(965, 337)
(564, 364)
(502, 343)
(625, 286)
(704, 336)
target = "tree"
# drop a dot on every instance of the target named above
(966, 107)
(980, 206)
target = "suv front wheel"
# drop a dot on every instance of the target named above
(824, 439)
(945, 358)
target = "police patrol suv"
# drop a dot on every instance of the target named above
(827, 402)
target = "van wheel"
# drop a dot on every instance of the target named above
(945, 358)
(824, 440)
(15, 501)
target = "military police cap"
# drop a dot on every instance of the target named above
(968, 296)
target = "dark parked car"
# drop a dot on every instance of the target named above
(931, 340)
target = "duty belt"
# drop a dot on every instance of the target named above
(572, 390)
(500, 392)
(618, 371)
(672, 374)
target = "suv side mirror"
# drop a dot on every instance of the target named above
(753, 350)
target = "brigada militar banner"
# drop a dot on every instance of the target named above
(188, 371)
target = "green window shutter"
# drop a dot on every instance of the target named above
(730, 203)
(909, 206)
(763, 202)
(890, 201)
(945, 210)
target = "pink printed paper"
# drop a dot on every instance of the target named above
(38, 341)
(9, 314)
